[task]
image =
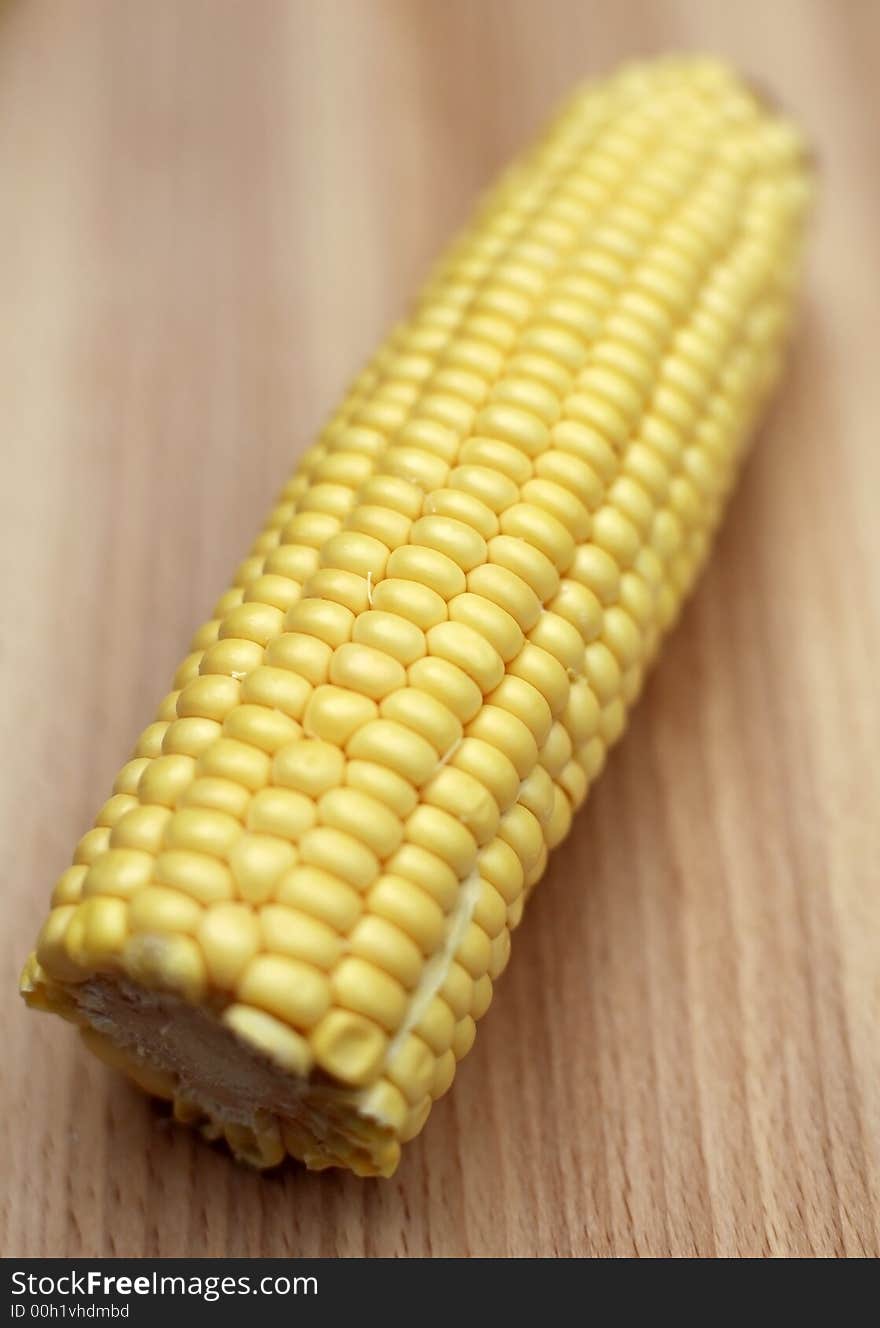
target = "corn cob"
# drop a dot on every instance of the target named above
(293, 908)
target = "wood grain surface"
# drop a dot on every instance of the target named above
(211, 211)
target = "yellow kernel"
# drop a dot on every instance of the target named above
(304, 656)
(367, 990)
(530, 564)
(488, 620)
(363, 668)
(150, 741)
(424, 714)
(457, 990)
(220, 795)
(235, 761)
(499, 864)
(257, 861)
(488, 764)
(294, 991)
(560, 639)
(536, 793)
(386, 1104)
(320, 618)
(512, 424)
(272, 1038)
(409, 908)
(437, 1026)
(355, 552)
(335, 713)
(190, 668)
(233, 658)
(492, 488)
(466, 799)
(348, 1047)
(129, 776)
(500, 727)
(252, 622)
(168, 706)
(594, 568)
(189, 737)
(210, 697)
(157, 908)
(473, 952)
(612, 721)
(462, 646)
(579, 607)
(444, 1074)
(168, 963)
(229, 937)
(68, 887)
(164, 779)
(421, 469)
(141, 828)
(290, 931)
(490, 913)
(97, 933)
(462, 508)
(540, 530)
(426, 870)
(510, 592)
(309, 766)
(51, 952)
(349, 589)
(389, 743)
(573, 474)
(196, 874)
(321, 895)
(522, 831)
(412, 1068)
(114, 809)
(310, 528)
(390, 634)
(340, 854)
(453, 538)
(202, 830)
(385, 526)
(581, 714)
(369, 820)
(602, 672)
(276, 689)
(592, 757)
(496, 455)
(465, 1032)
(294, 561)
(526, 701)
(558, 824)
(387, 491)
(556, 751)
(383, 784)
(616, 534)
(418, 604)
(543, 670)
(429, 567)
(388, 948)
(277, 591)
(449, 683)
(482, 996)
(574, 781)
(282, 812)
(440, 833)
(120, 872)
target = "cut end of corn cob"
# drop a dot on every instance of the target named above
(292, 910)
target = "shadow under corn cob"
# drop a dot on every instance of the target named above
(293, 908)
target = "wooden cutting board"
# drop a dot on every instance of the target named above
(211, 211)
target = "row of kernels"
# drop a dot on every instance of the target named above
(271, 576)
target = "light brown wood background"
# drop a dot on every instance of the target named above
(210, 212)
